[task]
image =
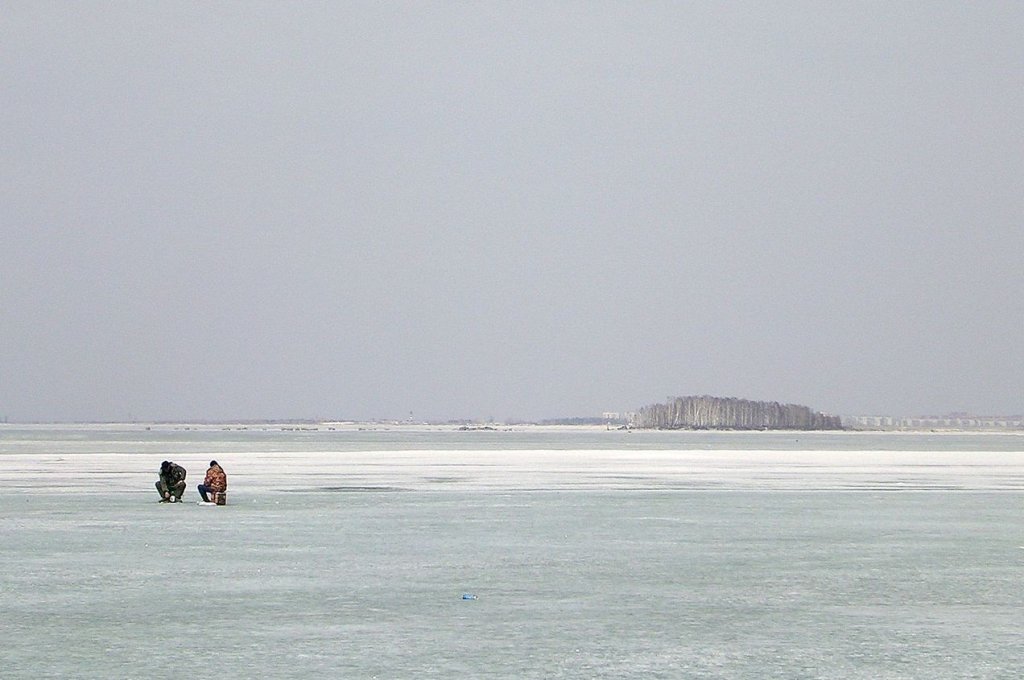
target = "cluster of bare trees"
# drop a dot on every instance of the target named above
(700, 413)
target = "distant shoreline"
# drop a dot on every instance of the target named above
(384, 426)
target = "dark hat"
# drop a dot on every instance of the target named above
(212, 463)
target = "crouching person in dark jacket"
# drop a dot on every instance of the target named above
(172, 482)
(214, 485)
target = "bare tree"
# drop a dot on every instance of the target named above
(705, 412)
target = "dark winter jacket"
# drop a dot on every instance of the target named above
(174, 474)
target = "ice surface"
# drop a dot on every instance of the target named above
(257, 472)
(632, 561)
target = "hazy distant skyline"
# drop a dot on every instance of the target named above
(520, 211)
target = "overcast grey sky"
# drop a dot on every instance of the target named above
(510, 210)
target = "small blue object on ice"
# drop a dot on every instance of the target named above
(468, 596)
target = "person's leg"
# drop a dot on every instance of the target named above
(161, 489)
(202, 492)
(178, 490)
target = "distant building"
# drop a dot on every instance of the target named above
(952, 421)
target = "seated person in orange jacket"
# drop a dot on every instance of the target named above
(216, 482)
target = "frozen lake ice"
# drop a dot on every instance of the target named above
(670, 555)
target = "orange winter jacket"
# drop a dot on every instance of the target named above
(216, 479)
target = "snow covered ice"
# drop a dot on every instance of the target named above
(660, 555)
